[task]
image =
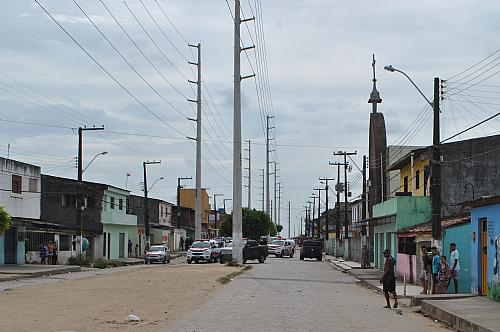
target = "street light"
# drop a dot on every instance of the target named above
(159, 179)
(435, 158)
(225, 200)
(97, 155)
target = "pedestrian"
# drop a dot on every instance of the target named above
(455, 265)
(54, 253)
(365, 262)
(146, 248)
(130, 247)
(43, 253)
(426, 265)
(136, 250)
(181, 244)
(443, 276)
(50, 252)
(436, 262)
(388, 279)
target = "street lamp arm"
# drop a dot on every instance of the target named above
(392, 69)
(97, 155)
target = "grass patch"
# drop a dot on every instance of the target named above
(227, 278)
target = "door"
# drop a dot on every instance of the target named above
(121, 247)
(10, 247)
(483, 247)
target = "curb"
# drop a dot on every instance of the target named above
(18, 276)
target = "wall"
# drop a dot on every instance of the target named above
(412, 210)
(188, 199)
(492, 214)
(115, 230)
(387, 230)
(419, 164)
(461, 235)
(403, 267)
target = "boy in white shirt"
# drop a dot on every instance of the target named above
(454, 264)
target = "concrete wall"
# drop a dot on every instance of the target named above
(388, 233)
(188, 199)
(412, 211)
(418, 165)
(406, 265)
(461, 235)
(492, 213)
(114, 242)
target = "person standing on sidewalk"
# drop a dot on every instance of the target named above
(436, 263)
(425, 273)
(130, 248)
(365, 262)
(388, 279)
(455, 265)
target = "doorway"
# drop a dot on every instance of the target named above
(121, 245)
(10, 247)
(483, 254)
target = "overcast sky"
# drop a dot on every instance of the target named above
(319, 55)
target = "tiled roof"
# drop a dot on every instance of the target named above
(427, 227)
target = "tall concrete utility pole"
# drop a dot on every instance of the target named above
(146, 211)
(179, 187)
(278, 206)
(346, 190)
(237, 162)
(197, 216)
(364, 208)
(327, 217)
(436, 170)
(249, 177)
(80, 205)
(275, 192)
(289, 219)
(263, 190)
(338, 190)
(268, 190)
(313, 196)
(319, 208)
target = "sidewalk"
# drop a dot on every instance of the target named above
(13, 272)
(371, 277)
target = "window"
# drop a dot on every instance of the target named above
(68, 200)
(417, 179)
(64, 243)
(112, 202)
(161, 211)
(405, 184)
(33, 185)
(407, 246)
(120, 204)
(17, 184)
(34, 240)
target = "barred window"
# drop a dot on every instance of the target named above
(407, 246)
(34, 240)
(33, 185)
(64, 243)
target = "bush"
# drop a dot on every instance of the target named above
(5, 220)
(78, 260)
(101, 264)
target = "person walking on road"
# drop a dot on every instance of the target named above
(425, 273)
(388, 279)
(365, 262)
(436, 262)
(455, 265)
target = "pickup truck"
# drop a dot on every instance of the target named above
(251, 250)
(312, 249)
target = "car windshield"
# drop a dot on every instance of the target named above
(200, 245)
(156, 248)
(278, 242)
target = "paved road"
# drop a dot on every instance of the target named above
(292, 295)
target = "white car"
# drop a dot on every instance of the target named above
(200, 251)
(157, 253)
(281, 248)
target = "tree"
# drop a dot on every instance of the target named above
(279, 228)
(5, 220)
(255, 224)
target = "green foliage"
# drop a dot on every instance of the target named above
(101, 264)
(78, 260)
(279, 228)
(5, 220)
(255, 224)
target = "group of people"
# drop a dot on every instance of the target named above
(48, 253)
(185, 244)
(433, 264)
(442, 272)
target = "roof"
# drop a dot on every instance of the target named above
(84, 182)
(427, 227)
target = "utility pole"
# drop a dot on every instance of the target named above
(436, 170)
(146, 212)
(197, 220)
(263, 194)
(80, 205)
(237, 171)
(289, 218)
(278, 207)
(249, 177)
(338, 189)
(319, 208)
(327, 217)
(179, 187)
(309, 219)
(225, 200)
(313, 196)
(365, 206)
(268, 191)
(275, 193)
(301, 221)
(346, 190)
(215, 208)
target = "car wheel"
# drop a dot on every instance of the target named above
(291, 255)
(221, 260)
(145, 262)
(282, 254)
(262, 259)
(189, 261)
(301, 258)
(168, 261)
(164, 261)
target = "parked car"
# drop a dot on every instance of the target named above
(312, 249)
(200, 251)
(281, 248)
(251, 250)
(157, 253)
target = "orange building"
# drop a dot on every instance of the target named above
(187, 198)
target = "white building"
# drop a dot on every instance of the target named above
(20, 197)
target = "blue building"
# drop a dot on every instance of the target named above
(485, 247)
